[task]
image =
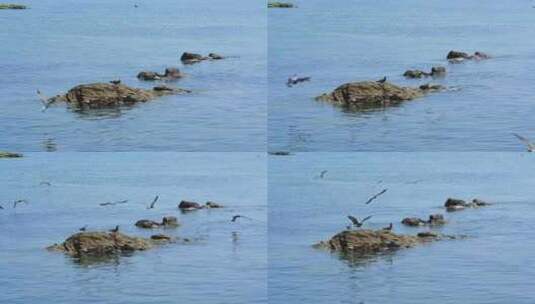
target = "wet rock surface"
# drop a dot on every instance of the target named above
(12, 6)
(188, 205)
(189, 58)
(4, 154)
(167, 221)
(453, 204)
(373, 241)
(169, 74)
(435, 72)
(369, 94)
(457, 56)
(101, 244)
(103, 95)
(434, 220)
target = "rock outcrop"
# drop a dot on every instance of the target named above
(169, 74)
(372, 241)
(435, 72)
(4, 154)
(12, 6)
(453, 204)
(280, 5)
(101, 244)
(189, 58)
(370, 94)
(103, 95)
(457, 56)
(434, 220)
(167, 221)
(189, 206)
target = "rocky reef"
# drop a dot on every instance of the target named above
(190, 58)
(372, 94)
(103, 95)
(458, 56)
(435, 72)
(190, 206)
(167, 221)
(434, 220)
(453, 204)
(101, 244)
(169, 74)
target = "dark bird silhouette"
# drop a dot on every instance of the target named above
(322, 174)
(1, 207)
(371, 199)
(116, 229)
(295, 80)
(153, 202)
(118, 81)
(135, 5)
(114, 203)
(389, 228)
(45, 101)
(83, 228)
(530, 146)
(356, 222)
(15, 203)
(45, 184)
(383, 80)
(234, 218)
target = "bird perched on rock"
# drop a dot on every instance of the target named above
(116, 229)
(83, 228)
(389, 228)
(383, 80)
(356, 222)
(118, 81)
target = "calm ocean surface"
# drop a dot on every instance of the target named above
(494, 264)
(225, 263)
(335, 42)
(58, 44)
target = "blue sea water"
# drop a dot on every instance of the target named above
(493, 264)
(224, 263)
(56, 45)
(335, 42)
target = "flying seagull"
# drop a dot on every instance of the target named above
(45, 101)
(15, 203)
(295, 80)
(116, 229)
(356, 222)
(114, 203)
(322, 174)
(1, 207)
(371, 199)
(527, 142)
(383, 80)
(153, 202)
(234, 218)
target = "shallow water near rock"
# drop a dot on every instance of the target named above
(59, 44)
(343, 41)
(213, 267)
(493, 263)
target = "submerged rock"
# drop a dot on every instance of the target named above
(102, 95)
(280, 5)
(457, 56)
(210, 204)
(435, 72)
(187, 205)
(434, 219)
(371, 241)
(147, 224)
(368, 94)
(12, 6)
(189, 58)
(413, 221)
(452, 204)
(167, 221)
(100, 244)
(169, 74)
(4, 154)
(170, 221)
(160, 237)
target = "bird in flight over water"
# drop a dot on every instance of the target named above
(530, 146)
(356, 222)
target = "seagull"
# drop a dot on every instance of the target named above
(322, 174)
(527, 142)
(83, 228)
(389, 228)
(118, 81)
(15, 203)
(234, 218)
(45, 101)
(382, 80)
(356, 222)
(114, 203)
(153, 202)
(1, 207)
(371, 199)
(295, 80)
(116, 229)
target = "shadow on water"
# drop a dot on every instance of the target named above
(360, 260)
(105, 260)
(100, 114)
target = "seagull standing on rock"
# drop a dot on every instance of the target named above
(382, 80)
